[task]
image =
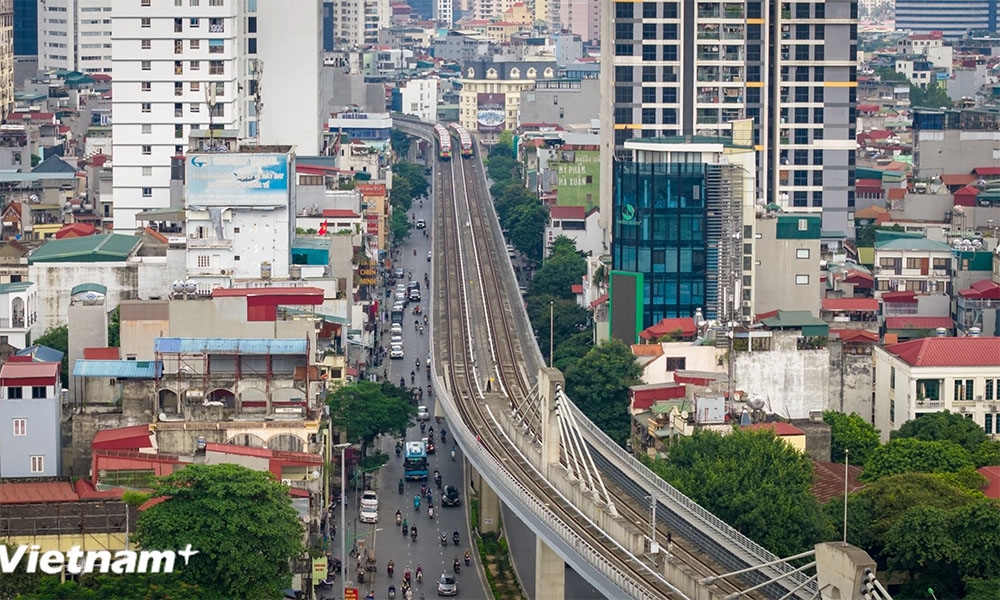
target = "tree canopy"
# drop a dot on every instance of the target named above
(598, 383)
(942, 427)
(57, 338)
(241, 522)
(400, 142)
(528, 228)
(562, 269)
(934, 96)
(116, 587)
(850, 432)
(399, 226)
(910, 455)
(752, 480)
(568, 319)
(19, 582)
(366, 410)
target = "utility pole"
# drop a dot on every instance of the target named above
(552, 328)
(847, 460)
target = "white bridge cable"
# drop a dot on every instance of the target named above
(571, 445)
(597, 473)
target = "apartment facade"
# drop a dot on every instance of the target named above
(192, 65)
(694, 68)
(30, 412)
(913, 265)
(6, 57)
(954, 18)
(356, 23)
(74, 35)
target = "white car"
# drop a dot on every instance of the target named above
(421, 223)
(396, 328)
(396, 352)
(369, 514)
(369, 498)
(396, 340)
(422, 413)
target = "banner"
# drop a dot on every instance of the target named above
(242, 179)
(491, 113)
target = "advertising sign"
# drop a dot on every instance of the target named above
(350, 593)
(319, 568)
(491, 112)
(237, 179)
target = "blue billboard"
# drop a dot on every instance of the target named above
(237, 179)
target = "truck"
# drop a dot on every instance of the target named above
(415, 462)
(397, 316)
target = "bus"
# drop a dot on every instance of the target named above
(415, 464)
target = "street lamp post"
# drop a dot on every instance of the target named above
(552, 329)
(343, 514)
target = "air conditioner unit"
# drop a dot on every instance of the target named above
(963, 409)
(993, 408)
(224, 271)
(287, 482)
(746, 303)
(979, 398)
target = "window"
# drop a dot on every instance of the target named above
(989, 390)
(216, 67)
(216, 46)
(178, 131)
(145, 23)
(204, 261)
(624, 10)
(649, 94)
(802, 253)
(912, 263)
(649, 10)
(38, 462)
(146, 44)
(251, 24)
(195, 44)
(649, 31)
(195, 65)
(20, 427)
(803, 224)
(988, 423)
(38, 391)
(676, 363)
(801, 279)
(15, 393)
(194, 107)
(195, 23)
(623, 74)
(252, 45)
(147, 65)
(147, 128)
(147, 171)
(194, 86)
(146, 86)
(147, 150)
(147, 107)
(144, 2)
(670, 52)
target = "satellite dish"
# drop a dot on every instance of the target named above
(684, 414)
(977, 243)
(737, 396)
(177, 286)
(966, 242)
(91, 299)
(956, 242)
(756, 402)
(190, 287)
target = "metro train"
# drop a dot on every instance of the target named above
(464, 139)
(444, 142)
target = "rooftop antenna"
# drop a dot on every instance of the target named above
(257, 104)
(210, 100)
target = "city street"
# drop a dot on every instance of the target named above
(386, 537)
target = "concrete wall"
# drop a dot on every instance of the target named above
(88, 328)
(801, 385)
(43, 435)
(565, 108)
(698, 358)
(776, 270)
(852, 382)
(953, 151)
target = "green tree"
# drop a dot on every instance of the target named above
(241, 522)
(890, 74)
(755, 482)
(943, 427)
(399, 226)
(35, 160)
(504, 145)
(558, 274)
(568, 319)
(400, 142)
(866, 234)
(20, 581)
(401, 195)
(987, 454)
(512, 195)
(116, 587)
(912, 455)
(853, 433)
(503, 168)
(367, 410)
(57, 338)
(571, 350)
(114, 328)
(414, 174)
(528, 229)
(598, 383)
(933, 97)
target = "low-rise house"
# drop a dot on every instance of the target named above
(913, 264)
(18, 312)
(31, 411)
(933, 374)
(978, 307)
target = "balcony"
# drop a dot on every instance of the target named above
(733, 11)
(16, 323)
(216, 26)
(196, 242)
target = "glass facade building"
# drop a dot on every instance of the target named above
(660, 229)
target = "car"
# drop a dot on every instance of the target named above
(396, 352)
(414, 296)
(450, 497)
(413, 285)
(369, 514)
(431, 448)
(398, 306)
(396, 328)
(369, 498)
(423, 414)
(396, 340)
(421, 223)
(401, 297)
(447, 585)
(428, 256)
(398, 273)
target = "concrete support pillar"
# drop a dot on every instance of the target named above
(840, 569)
(549, 380)
(489, 507)
(550, 573)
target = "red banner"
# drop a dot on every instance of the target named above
(350, 593)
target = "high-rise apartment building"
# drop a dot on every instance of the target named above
(954, 18)
(6, 57)
(582, 17)
(246, 67)
(74, 35)
(25, 27)
(357, 22)
(691, 68)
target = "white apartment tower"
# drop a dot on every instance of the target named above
(356, 23)
(247, 67)
(74, 35)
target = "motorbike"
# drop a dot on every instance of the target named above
(444, 436)
(399, 517)
(423, 427)
(454, 538)
(444, 539)
(400, 486)
(453, 453)
(402, 382)
(392, 592)
(413, 377)
(399, 448)
(430, 512)
(391, 568)
(457, 566)
(468, 558)
(406, 530)
(416, 503)
(417, 362)
(421, 330)
(420, 575)
(430, 392)
(413, 533)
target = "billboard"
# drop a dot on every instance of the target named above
(237, 179)
(626, 297)
(491, 112)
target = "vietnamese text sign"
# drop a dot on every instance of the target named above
(237, 179)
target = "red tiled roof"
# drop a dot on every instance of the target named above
(895, 193)
(647, 350)
(949, 352)
(28, 370)
(340, 213)
(568, 212)
(122, 438)
(868, 107)
(855, 335)
(599, 301)
(987, 171)
(992, 475)
(869, 182)
(959, 179)
(100, 77)
(102, 353)
(779, 428)
(828, 480)
(868, 304)
(33, 493)
(880, 134)
(266, 291)
(577, 289)
(76, 230)
(969, 190)
(985, 289)
(86, 491)
(907, 297)
(156, 235)
(686, 325)
(918, 322)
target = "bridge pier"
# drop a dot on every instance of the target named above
(841, 569)
(550, 573)
(489, 505)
